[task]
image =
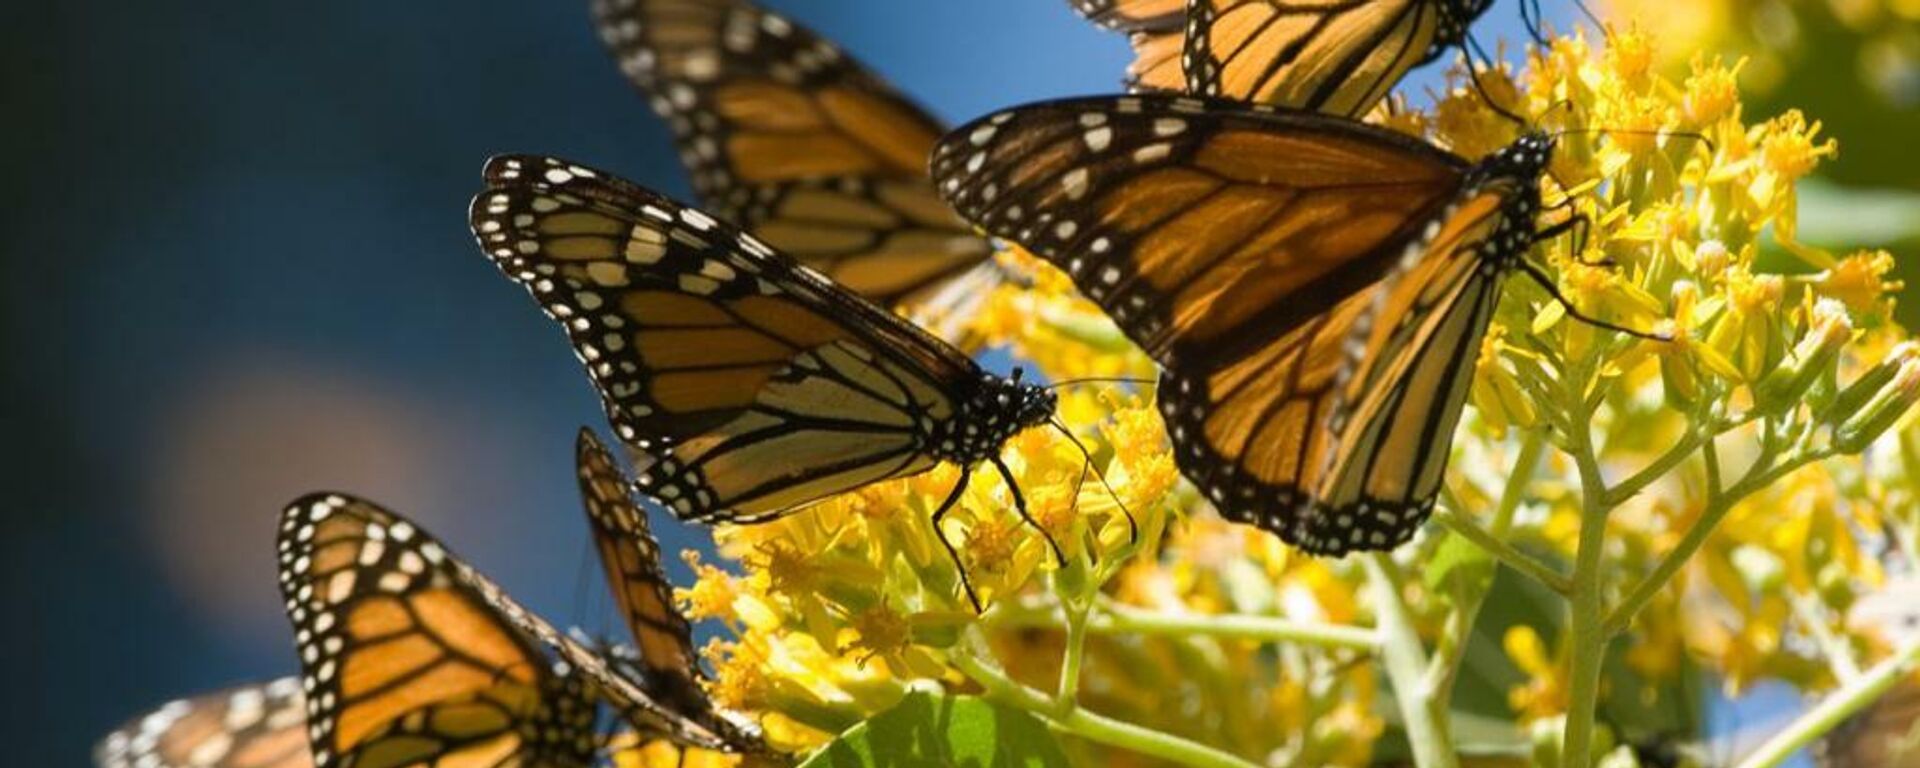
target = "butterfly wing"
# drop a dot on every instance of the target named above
(746, 385)
(405, 660)
(1315, 289)
(631, 557)
(1335, 432)
(1161, 208)
(795, 141)
(1134, 15)
(1155, 29)
(261, 725)
(1335, 56)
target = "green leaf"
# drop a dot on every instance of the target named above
(927, 730)
(1455, 552)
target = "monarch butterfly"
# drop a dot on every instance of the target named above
(791, 139)
(664, 653)
(1155, 30)
(406, 654)
(1314, 289)
(745, 385)
(1335, 56)
(258, 725)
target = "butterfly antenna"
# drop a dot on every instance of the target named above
(1535, 24)
(1473, 75)
(1020, 505)
(1133, 525)
(953, 497)
(1554, 291)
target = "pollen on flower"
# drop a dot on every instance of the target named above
(878, 631)
(1712, 91)
(1861, 280)
(712, 594)
(1789, 147)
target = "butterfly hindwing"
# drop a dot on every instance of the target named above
(260, 725)
(746, 385)
(406, 661)
(796, 142)
(1314, 289)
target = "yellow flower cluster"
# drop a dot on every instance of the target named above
(1669, 198)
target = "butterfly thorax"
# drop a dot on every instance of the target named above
(998, 409)
(1520, 165)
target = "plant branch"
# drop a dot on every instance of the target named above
(1628, 488)
(1424, 715)
(1092, 727)
(1121, 619)
(1587, 610)
(1718, 504)
(1836, 708)
(1527, 565)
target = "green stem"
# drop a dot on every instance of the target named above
(1835, 709)
(1087, 725)
(1587, 636)
(1120, 619)
(1513, 558)
(1069, 695)
(1424, 715)
(1117, 619)
(1628, 488)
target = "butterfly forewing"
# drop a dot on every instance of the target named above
(261, 725)
(746, 386)
(793, 140)
(405, 661)
(1160, 206)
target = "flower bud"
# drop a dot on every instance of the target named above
(1785, 386)
(1883, 406)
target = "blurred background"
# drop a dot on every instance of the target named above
(237, 269)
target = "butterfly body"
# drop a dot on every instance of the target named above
(1314, 289)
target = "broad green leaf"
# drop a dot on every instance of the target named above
(926, 730)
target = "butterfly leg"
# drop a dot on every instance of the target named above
(953, 497)
(1554, 291)
(1133, 526)
(1487, 64)
(1580, 225)
(1020, 504)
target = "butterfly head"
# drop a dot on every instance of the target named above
(1032, 404)
(999, 409)
(1526, 158)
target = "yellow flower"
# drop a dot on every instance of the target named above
(1544, 693)
(1861, 280)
